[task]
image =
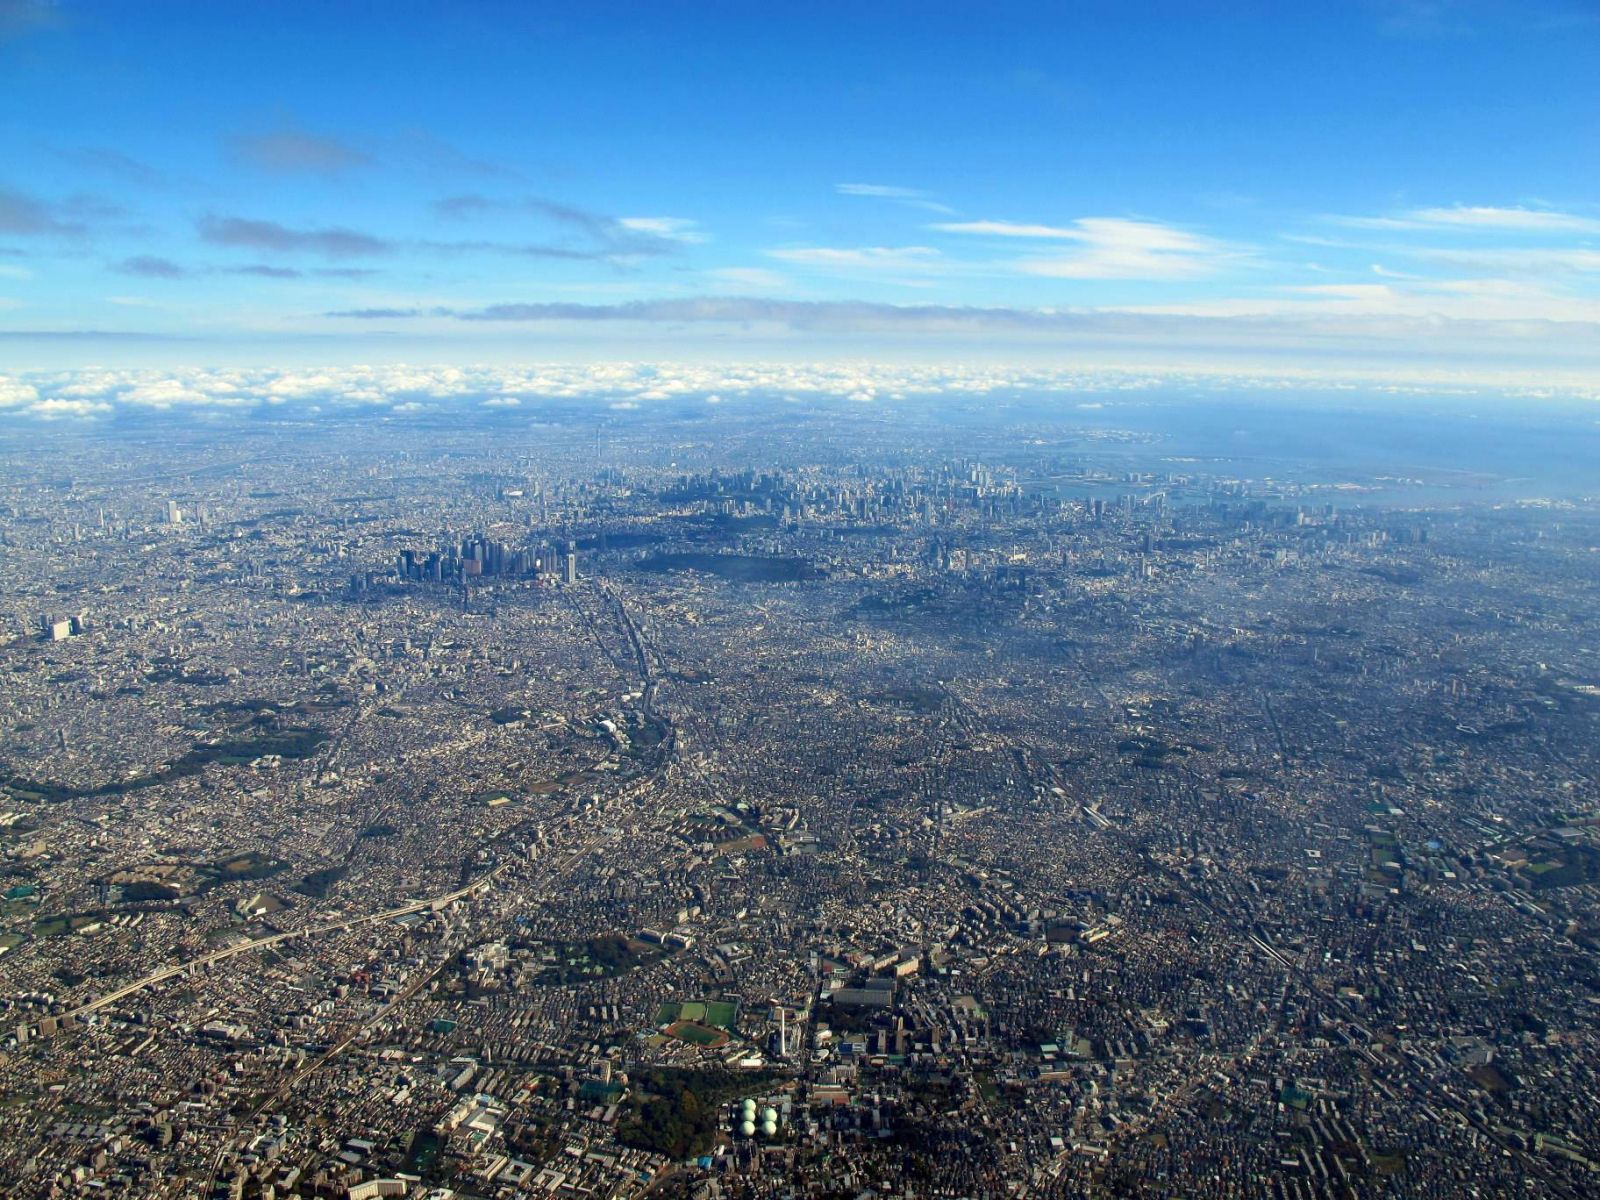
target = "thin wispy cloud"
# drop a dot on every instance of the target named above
(675, 229)
(1115, 248)
(798, 314)
(1499, 307)
(870, 258)
(28, 215)
(1507, 241)
(1009, 229)
(1382, 312)
(1526, 260)
(557, 253)
(881, 190)
(379, 313)
(1479, 218)
(150, 266)
(122, 167)
(1108, 248)
(911, 197)
(610, 238)
(1532, 220)
(251, 234)
(267, 271)
(18, 17)
(435, 158)
(293, 150)
(752, 277)
(469, 205)
(1423, 19)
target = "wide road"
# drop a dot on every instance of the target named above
(422, 979)
(342, 923)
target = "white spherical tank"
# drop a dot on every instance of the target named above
(748, 1128)
(769, 1128)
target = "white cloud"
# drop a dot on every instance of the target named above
(1008, 229)
(1346, 291)
(1478, 241)
(631, 386)
(1531, 219)
(1121, 248)
(1467, 300)
(755, 277)
(1518, 261)
(14, 392)
(52, 409)
(677, 229)
(914, 197)
(877, 189)
(897, 258)
(163, 393)
(1480, 217)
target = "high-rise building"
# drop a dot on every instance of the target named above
(174, 513)
(569, 568)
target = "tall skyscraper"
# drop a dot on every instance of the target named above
(569, 566)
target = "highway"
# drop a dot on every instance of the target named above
(344, 923)
(422, 979)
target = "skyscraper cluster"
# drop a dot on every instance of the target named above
(479, 556)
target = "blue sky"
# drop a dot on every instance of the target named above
(1377, 184)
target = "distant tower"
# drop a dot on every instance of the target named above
(174, 513)
(569, 567)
